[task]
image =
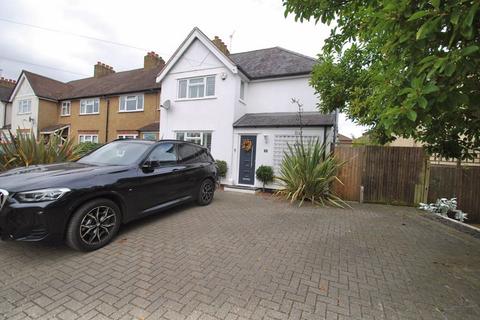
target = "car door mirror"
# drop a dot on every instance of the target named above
(149, 166)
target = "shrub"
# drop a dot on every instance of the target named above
(307, 173)
(85, 147)
(265, 175)
(24, 150)
(222, 168)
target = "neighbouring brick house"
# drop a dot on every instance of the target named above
(102, 108)
(6, 89)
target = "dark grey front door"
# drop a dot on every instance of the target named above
(248, 146)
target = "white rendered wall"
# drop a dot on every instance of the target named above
(22, 121)
(210, 114)
(275, 95)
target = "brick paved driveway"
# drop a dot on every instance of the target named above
(245, 257)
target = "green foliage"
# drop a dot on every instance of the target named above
(265, 175)
(308, 173)
(86, 147)
(404, 68)
(222, 168)
(24, 150)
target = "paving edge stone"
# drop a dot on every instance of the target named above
(460, 226)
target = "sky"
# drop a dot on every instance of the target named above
(56, 38)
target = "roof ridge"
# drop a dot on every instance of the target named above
(42, 76)
(255, 50)
(297, 53)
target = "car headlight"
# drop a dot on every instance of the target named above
(41, 195)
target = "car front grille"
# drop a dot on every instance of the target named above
(3, 198)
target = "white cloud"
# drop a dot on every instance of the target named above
(154, 25)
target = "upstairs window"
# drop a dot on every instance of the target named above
(242, 90)
(90, 106)
(25, 106)
(131, 103)
(65, 108)
(194, 88)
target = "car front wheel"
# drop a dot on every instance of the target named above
(93, 225)
(206, 192)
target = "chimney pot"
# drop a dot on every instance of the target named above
(220, 45)
(152, 60)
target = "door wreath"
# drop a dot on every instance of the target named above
(247, 145)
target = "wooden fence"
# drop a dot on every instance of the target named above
(403, 175)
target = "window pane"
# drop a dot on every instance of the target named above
(242, 90)
(188, 153)
(182, 89)
(96, 103)
(149, 136)
(140, 102)
(122, 103)
(131, 105)
(163, 154)
(193, 91)
(210, 86)
(207, 140)
(95, 139)
(180, 136)
(196, 81)
(194, 134)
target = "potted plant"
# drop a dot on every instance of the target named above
(265, 175)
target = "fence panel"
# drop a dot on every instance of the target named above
(351, 172)
(394, 175)
(462, 182)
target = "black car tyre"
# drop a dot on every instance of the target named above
(206, 192)
(93, 225)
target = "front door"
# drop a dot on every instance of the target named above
(246, 168)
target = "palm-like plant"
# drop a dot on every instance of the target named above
(308, 172)
(23, 150)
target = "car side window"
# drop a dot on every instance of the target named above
(164, 154)
(189, 153)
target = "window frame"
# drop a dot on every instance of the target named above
(126, 136)
(124, 106)
(86, 101)
(242, 91)
(64, 104)
(89, 140)
(21, 106)
(150, 133)
(190, 85)
(203, 139)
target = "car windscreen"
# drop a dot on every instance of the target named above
(116, 153)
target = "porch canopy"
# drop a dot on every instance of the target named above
(54, 128)
(284, 119)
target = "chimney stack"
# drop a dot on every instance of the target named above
(152, 60)
(102, 69)
(7, 83)
(220, 45)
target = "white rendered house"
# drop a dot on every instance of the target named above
(239, 105)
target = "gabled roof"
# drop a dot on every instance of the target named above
(272, 62)
(258, 64)
(5, 93)
(115, 83)
(136, 80)
(284, 119)
(196, 34)
(45, 87)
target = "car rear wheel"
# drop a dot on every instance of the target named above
(93, 225)
(206, 192)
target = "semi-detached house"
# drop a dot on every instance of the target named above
(239, 105)
(102, 108)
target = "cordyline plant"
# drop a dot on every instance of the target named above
(402, 67)
(23, 150)
(308, 172)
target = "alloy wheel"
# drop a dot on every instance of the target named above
(97, 225)
(207, 192)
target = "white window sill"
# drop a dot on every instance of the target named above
(23, 114)
(65, 115)
(129, 111)
(195, 99)
(89, 114)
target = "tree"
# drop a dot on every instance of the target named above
(405, 68)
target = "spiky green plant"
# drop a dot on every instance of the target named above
(23, 150)
(308, 172)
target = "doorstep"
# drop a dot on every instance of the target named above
(242, 189)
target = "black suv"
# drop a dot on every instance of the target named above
(85, 202)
